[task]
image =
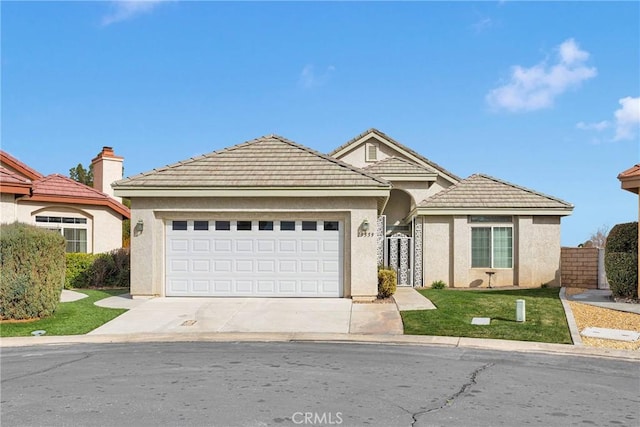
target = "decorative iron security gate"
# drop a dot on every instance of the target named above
(400, 257)
(399, 252)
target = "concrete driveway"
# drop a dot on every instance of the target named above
(186, 315)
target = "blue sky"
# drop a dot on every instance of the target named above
(542, 94)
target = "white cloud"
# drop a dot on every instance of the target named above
(627, 118)
(537, 87)
(597, 126)
(123, 10)
(482, 24)
(309, 78)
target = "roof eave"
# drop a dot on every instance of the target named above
(631, 183)
(145, 191)
(107, 202)
(559, 211)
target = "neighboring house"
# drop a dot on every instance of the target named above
(630, 181)
(271, 217)
(90, 219)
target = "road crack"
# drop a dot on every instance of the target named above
(449, 401)
(51, 368)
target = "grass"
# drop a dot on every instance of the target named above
(545, 319)
(71, 318)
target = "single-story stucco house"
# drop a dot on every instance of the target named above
(630, 181)
(273, 218)
(90, 219)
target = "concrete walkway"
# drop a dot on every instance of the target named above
(407, 298)
(70, 296)
(602, 298)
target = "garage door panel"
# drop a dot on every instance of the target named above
(244, 245)
(222, 266)
(261, 261)
(222, 245)
(244, 265)
(201, 245)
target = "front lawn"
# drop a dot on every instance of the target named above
(545, 319)
(71, 318)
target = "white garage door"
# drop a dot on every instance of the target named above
(254, 258)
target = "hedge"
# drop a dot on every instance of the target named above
(32, 271)
(109, 270)
(621, 260)
(78, 269)
(387, 282)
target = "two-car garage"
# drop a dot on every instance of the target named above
(254, 258)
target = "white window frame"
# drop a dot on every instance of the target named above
(491, 247)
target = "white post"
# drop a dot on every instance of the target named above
(520, 310)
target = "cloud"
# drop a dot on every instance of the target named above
(537, 87)
(309, 78)
(598, 126)
(482, 24)
(627, 118)
(122, 10)
(626, 121)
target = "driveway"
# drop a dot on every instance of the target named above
(187, 315)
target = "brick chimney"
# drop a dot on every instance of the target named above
(107, 168)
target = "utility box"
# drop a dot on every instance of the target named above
(521, 315)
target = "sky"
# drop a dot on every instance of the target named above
(542, 94)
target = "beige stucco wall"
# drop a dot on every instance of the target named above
(147, 248)
(356, 157)
(106, 171)
(104, 227)
(447, 253)
(8, 211)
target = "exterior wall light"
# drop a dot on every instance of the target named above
(137, 230)
(363, 230)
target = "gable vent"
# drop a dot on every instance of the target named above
(371, 153)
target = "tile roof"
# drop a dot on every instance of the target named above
(403, 147)
(268, 161)
(8, 160)
(60, 189)
(632, 172)
(483, 191)
(13, 183)
(397, 166)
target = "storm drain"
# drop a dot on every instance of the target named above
(188, 323)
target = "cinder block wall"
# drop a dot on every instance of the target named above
(579, 267)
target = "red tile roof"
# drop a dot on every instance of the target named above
(12, 183)
(60, 189)
(15, 164)
(632, 172)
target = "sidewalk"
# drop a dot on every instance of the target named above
(602, 298)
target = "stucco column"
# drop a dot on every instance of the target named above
(461, 252)
(144, 251)
(363, 255)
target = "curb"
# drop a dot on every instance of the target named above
(416, 340)
(571, 321)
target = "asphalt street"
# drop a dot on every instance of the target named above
(288, 384)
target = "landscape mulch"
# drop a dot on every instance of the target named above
(591, 316)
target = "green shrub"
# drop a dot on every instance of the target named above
(32, 271)
(438, 284)
(111, 269)
(387, 282)
(621, 260)
(78, 270)
(622, 273)
(623, 238)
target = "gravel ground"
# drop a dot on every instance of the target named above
(588, 315)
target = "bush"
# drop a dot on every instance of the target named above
(32, 271)
(111, 269)
(438, 284)
(621, 260)
(78, 270)
(622, 273)
(387, 282)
